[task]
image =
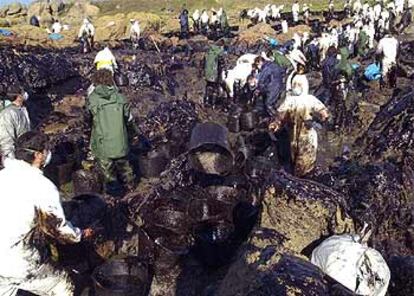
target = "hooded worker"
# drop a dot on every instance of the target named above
(27, 211)
(344, 67)
(362, 43)
(204, 21)
(406, 20)
(280, 59)
(298, 112)
(57, 27)
(224, 23)
(134, 32)
(184, 24)
(306, 13)
(14, 121)
(295, 12)
(271, 82)
(196, 20)
(105, 60)
(213, 64)
(388, 49)
(86, 35)
(111, 118)
(328, 72)
(297, 77)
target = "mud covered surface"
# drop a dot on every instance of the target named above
(249, 232)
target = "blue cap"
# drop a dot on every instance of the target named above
(273, 42)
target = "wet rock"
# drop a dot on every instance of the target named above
(390, 134)
(402, 269)
(14, 8)
(381, 196)
(170, 122)
(303, 211)
(265, 267)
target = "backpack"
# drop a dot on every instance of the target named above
(372, 72)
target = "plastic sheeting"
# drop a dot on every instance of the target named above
(356, 266)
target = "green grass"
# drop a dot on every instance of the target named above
(232, 6)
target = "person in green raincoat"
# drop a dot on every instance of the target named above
(212, 72)
(344, 67)
(279, 57)
(224, 23)
(109, 138)
(343, 75)
(362, 44)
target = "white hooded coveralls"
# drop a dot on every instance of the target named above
(303, 139)
(86, 29)
(295, 12)
(20, 266)
(388, 47)
(14, 122)
(105, 60)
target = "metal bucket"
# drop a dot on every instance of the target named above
(209, 149)
(123, 277)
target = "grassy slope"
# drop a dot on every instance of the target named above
(232, 6)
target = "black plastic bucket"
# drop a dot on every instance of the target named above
(209, 149)
(121, 79)
(248, 121)
(153, 163)
(123, 277)
(233, 123)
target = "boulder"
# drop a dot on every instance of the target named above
(110, 27)
(147, 21)
(4, 23)
(14, 8)
(36, 9)
(46, 19)
(302, 210)
(91, 10)
(3, 11)
(264, 267)
(402, 270)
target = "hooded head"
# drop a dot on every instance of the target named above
(85, 21)
(344, 52)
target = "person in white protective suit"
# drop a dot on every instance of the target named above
(357, 7)
(370, 31)
(296, 57)
(295, 11)
(388, 48)
(105, 60)
(377, 10)
(356, 266)
(196, 19)
(297, 112)
(86, 35)
(57, 27)
(134, 32)
(306, 13)
(399, 6)
(14, 121)
(285, 27)
(26, 210)
(297, 78)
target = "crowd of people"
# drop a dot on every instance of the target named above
(274, 83)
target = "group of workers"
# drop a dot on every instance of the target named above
(275, 82)
(204, 23)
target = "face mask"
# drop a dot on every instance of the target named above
(297, 91)
(25, 96)
(48, 158)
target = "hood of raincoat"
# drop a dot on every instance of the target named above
(344, 52)
(107, 94)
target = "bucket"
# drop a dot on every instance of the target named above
(121, 277)
(233, 123)
(152, 164)
(209, 149)
(248, 121)
(85, 182)
(121, 79)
